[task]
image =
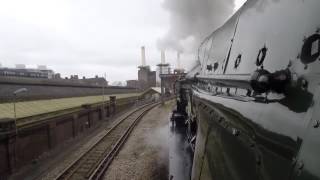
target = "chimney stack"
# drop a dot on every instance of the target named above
(163, 57)
(178, 61)
(143, 56)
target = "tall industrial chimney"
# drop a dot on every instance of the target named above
(143, 56)
(163, 57)
(178, 61)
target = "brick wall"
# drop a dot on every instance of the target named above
(4, 159)
(48, 89)
(33, 140)
(30, 144)
(64, 129)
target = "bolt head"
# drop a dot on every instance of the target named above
(304, 38)
(300, 165)
(316, 124)
(235, 132)
(294, 161)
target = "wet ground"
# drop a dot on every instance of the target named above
(180, 154)
(145, 155)
(155, 150)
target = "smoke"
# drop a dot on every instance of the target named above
(191, 21)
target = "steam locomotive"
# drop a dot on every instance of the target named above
(251, 105)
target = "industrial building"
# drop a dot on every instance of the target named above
(146, 77)
(133, 84)
(153, 93)
(167, 77)
(96, 81)
(21, 71)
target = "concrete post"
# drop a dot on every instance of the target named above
(88, 109)
(12, 140)
(52, 134)
(90, 117)
(113, 104)
(102, 112)
(161, 87)
(108, 111)
(75, 125)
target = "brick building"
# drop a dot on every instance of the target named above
(146, 77)
(21, 71)
(133, 84)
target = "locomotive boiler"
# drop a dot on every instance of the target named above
(251, 105)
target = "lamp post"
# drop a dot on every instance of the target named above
(15, 93)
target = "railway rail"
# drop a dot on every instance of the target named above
(92, 164)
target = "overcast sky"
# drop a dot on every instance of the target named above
(85, 37)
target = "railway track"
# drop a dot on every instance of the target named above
(92, 164)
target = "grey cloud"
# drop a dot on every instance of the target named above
(80, 37)
(89, 37)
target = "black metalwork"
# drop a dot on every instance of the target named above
(261, 56)
(237, 61)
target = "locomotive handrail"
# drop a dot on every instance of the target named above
(260, 80)
(227, 80)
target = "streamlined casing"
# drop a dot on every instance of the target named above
(255, 94)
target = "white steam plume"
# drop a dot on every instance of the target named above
(191, 21)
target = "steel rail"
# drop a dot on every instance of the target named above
(104, 164)
(93, 163)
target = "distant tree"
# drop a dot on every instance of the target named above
(118, 83)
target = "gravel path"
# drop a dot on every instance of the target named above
(145, 154)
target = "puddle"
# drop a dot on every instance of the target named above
(180, 154)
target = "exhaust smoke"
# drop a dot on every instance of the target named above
(191, 21)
